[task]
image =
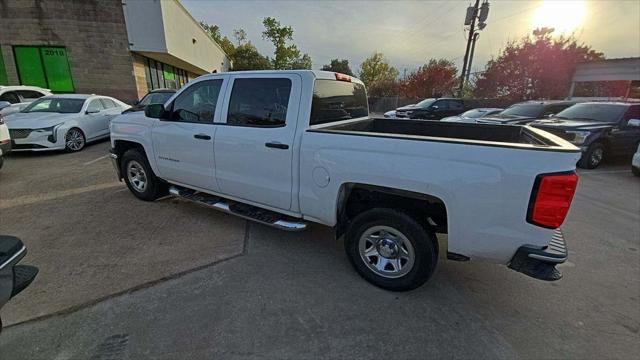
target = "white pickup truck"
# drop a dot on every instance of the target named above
(285, 148)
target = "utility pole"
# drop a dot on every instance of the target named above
(479, 13)
(472, 15)
(473, 49)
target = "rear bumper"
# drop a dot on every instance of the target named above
(540, 263)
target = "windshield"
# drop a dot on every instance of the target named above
(475, 113)
(593, 112)
(55, 105)
(529, 110)
(425, 103)
(155, 98)
(337, 100)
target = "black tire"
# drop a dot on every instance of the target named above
(153, 187)
(81, 140)
(592, 158)
(422, 239)
(635, 171)
(1, 161)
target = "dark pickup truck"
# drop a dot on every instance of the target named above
(432, 109)
(600, 129)
(527, 111)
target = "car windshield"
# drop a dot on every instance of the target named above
(475, 113)
(593, 112)
(55, 105)
(155, 98)
(528, 110)
(425, 103)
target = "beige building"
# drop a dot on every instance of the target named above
(121, 48)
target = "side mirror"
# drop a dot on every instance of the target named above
(634, 122)
(434, 107)
(155, 111)
(550, 115)
(4, 104)
(136, 102)
(91, 112)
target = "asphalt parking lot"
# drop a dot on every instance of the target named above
(125, 279)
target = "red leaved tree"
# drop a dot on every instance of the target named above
(436, 78)
(536, 67)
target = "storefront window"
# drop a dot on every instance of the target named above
(160, 75)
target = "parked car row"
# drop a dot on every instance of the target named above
(600, 129)
(33, 119)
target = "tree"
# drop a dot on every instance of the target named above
(340, 66)
(247, 57)
(436, 78)
(379, 76)
(536, 67)
(224, 42)
(240, 35)
(286, 57)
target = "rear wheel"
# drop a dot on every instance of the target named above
(635, 170)
(74, 140)
(593, 157)
(390, 249)
(139, 176)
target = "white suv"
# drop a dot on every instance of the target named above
(15, 98)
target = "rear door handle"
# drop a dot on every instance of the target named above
(276, 145)
(202, 137)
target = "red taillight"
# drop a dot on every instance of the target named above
(343, 77)
(551, 198)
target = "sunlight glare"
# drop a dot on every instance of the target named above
(563, 16)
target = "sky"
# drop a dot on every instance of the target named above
(409, 33)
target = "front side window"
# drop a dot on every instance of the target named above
(197, 103)
(632, 113)
(425, 103)
(95, 106)
(108, 103)
(337, 100)
(57, 105)
(259, 102)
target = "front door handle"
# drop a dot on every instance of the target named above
(276, 145)
(202, 137)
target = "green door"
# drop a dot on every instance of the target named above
(56, 68)
(30, 69)
(3, 71)
(47, 67)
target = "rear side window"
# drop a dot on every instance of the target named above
(259, 102)
(455, 105)
(30, 94)
(197, 103)
(337, 100)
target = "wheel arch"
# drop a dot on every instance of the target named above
(120, 146)
(354, 198)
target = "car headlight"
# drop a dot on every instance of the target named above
(578, 136)
(52, 130)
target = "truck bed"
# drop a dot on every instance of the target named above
(427, 130)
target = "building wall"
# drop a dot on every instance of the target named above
(93, 32)
(165, 31)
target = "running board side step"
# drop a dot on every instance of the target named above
(249, 212)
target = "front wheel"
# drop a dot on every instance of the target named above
(74, 140)
(139, 176)
(390, 249)
(593, 157)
